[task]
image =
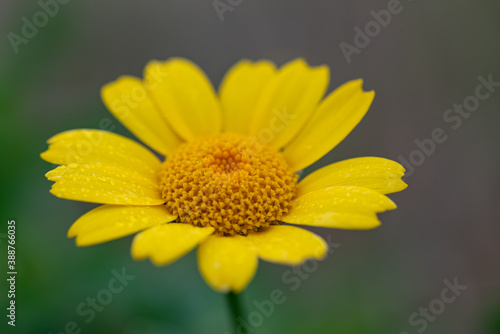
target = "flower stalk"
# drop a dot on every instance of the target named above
(235, 309)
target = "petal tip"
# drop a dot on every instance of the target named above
(264, 62)
(71, 232)
(403, 186)
(136, 256)
(44, 155)
(391, 205)
(370, 95)
(82, 243)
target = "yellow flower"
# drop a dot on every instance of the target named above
(229, 179)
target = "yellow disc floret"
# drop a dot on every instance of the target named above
(228, 181)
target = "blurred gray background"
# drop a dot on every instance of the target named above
(427, 59)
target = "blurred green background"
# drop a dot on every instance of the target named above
(425, 60)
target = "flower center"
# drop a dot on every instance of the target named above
(228, 181)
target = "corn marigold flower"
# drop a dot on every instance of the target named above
(229, 178)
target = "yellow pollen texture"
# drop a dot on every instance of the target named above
(228, 181)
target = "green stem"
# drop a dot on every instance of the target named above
(235, 309)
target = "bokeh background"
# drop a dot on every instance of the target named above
(447, 224)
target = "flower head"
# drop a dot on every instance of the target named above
(228, 181)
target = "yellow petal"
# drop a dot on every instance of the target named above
(109, 222)
(185, 96)
(288, 245)
(128, 100)
(339, 207)
(382, 175)
(227, 263)
(98, 183)
(240, 90)
(335, 118)
(168, 242)
(287, 102)
(100, 147)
